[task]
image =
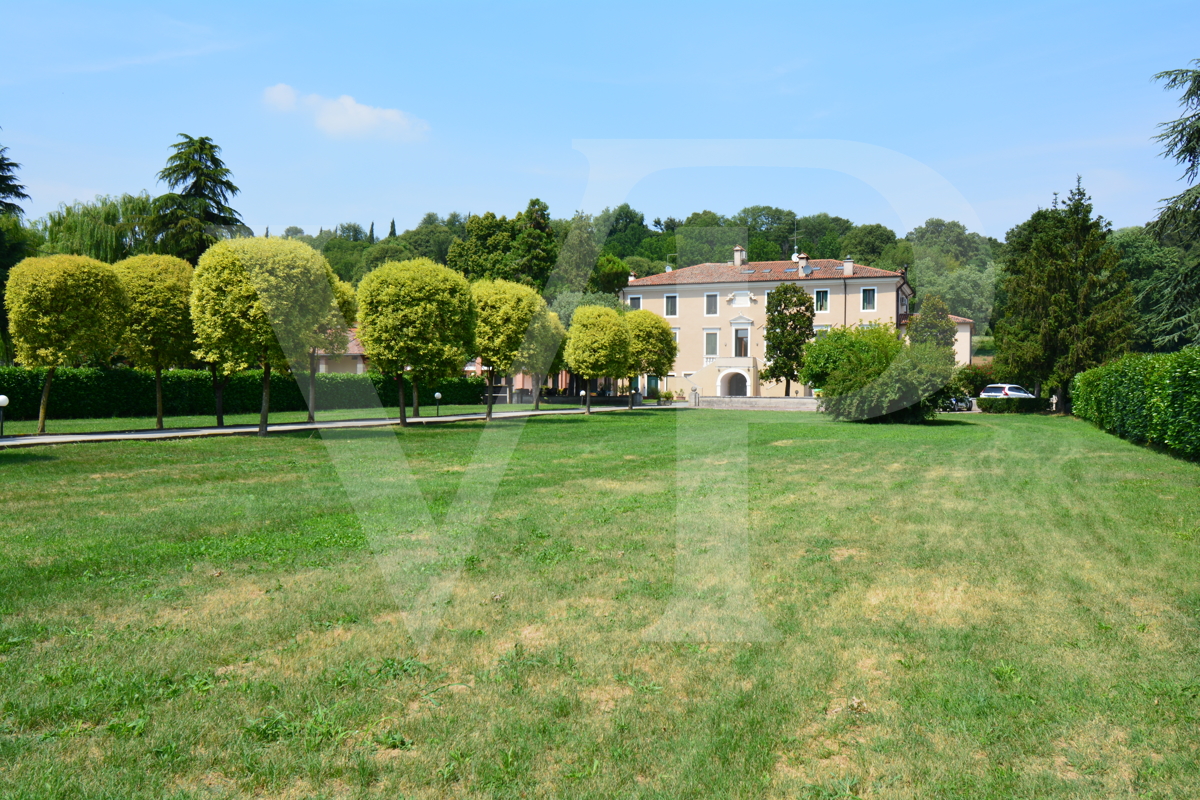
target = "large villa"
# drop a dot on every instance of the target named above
(719, 314)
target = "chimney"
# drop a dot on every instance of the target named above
(848, 266)
(802, 260)
(739, 256)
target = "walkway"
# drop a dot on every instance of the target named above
(286, 427)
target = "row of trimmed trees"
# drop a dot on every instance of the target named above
(274, 303)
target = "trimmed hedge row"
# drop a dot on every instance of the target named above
(1013, 405)
(1145, 398)
(89, 392)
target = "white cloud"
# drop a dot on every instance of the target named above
(345, 117)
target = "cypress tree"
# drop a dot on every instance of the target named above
(392, 230)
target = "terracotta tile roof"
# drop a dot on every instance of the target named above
(960, 319)
(826, 269)
(353, 346)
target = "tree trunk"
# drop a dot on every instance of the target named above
(537, 393)
(312, 384)
(266, 400)
(630, 388)
(403, 416)
(45, 400)
(416, 398)
(787, 387)
(158, 404)
(490, 391)
(587, 395)
(219, 394)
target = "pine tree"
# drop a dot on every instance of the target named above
(9, 188)
(1181, 214)
(188, 222)
(1068, 306)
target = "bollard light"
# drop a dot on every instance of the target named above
(438, 397)
(582, 395)
(3, 403)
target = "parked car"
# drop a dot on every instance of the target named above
(1005, 390)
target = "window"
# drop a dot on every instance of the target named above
(675, 334)
(710, 305)
(821, 300)
(635, 301)
(903, 304)
(820, 330)
(741, 342)
(671, 305)
(868, 299)
(710, 343)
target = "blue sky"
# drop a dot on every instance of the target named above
(475, 107)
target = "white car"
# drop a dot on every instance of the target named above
(1005, 390)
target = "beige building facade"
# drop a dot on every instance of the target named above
(718, 313)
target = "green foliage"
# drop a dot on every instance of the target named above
(109, 229)
(188, 221)
(610, 276)
(1171, 300)
(933, 325)
(1145, 399)
(10, 190)
(652, 346)
(159, 290)
(565, 304)
(625, 230)
(541, 352)
(535, 250)
(789, 330)
(761, 249)
(506, 312)
(598, 344)
(1068, 306)
(643, 267)
(484, 253)
(416, 314)
(64, 310)
(381, 253)
(345, 257)
(1181, 139)
(430, 240)
(867, 243)
(578, 253)
(95, 393)
(835, 349)
(975, 378)
(259, 301)
(1013, 405)
(870, 386)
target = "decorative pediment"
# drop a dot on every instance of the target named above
(741, 320)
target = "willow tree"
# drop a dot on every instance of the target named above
(506, 313)
(598, 345)
(107, 229)
(159, 334)
(63, 311)
(652, 346)
(260, 302)
(415, 315)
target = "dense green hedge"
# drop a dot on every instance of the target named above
(1145, 398)
(1013, 405)
(91, 393)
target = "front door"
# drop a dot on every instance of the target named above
(737, 385)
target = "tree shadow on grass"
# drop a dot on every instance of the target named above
(15, 457)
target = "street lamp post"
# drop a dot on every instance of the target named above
(437, 396)
(3, 403)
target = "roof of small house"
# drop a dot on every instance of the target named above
(825, 269)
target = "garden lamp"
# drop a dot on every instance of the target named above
(582, 395)
(438, 397)
(3, 403)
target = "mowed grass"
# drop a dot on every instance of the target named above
(987, 607)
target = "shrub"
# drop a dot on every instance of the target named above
(1145, 398)
(869, 389)
(105, 393)
(1013, 405)
(975, 378)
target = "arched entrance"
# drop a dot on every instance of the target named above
(735, 385)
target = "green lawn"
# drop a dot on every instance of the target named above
(987, 607)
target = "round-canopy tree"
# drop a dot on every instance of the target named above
(63, 310)
(933, 325)
(160, 333)
(541, 353)
(260, 301)
(415, 314)
(652, 346)
(598, 345)
(506, 313)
